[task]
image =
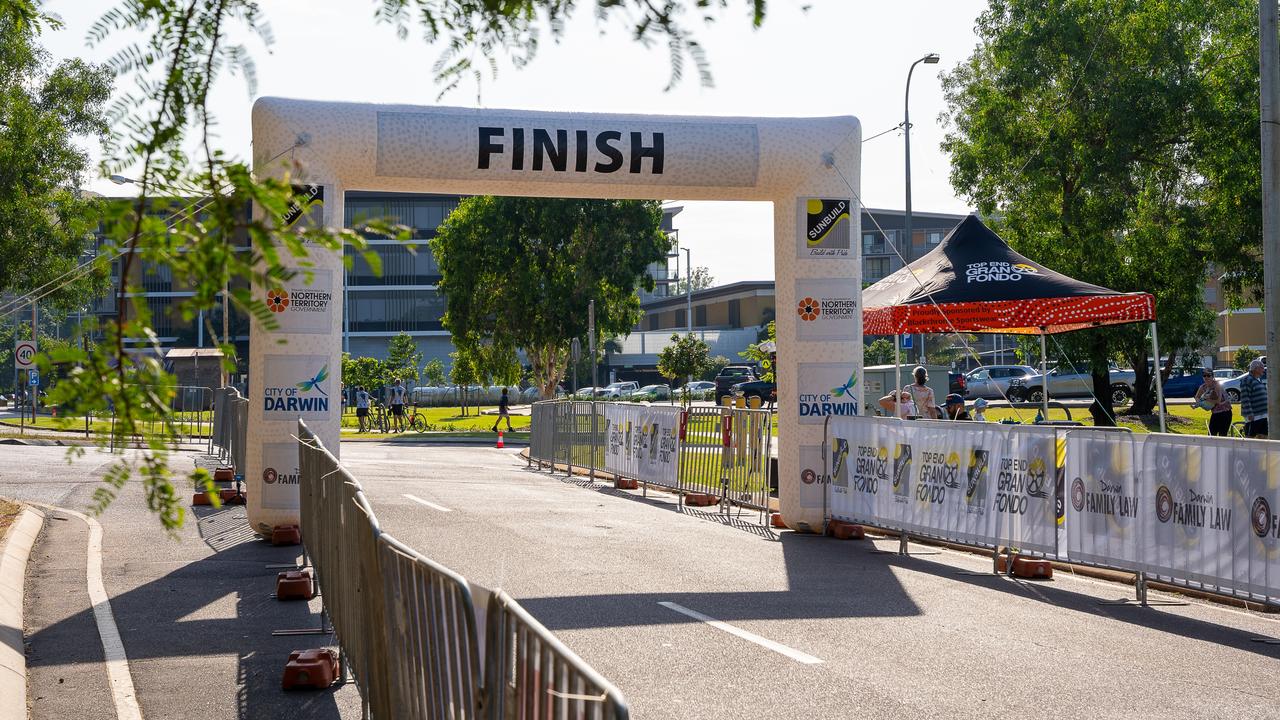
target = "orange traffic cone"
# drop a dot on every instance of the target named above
(500, 445)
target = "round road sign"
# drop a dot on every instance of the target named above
(25, 354)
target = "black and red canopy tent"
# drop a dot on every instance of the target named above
(974, 282)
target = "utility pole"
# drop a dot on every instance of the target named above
(1269, 51)
(35, 338)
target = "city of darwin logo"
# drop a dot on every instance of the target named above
(278, 300)
(808, 309)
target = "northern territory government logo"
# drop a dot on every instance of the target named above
(296, 387)
(826, 228)
(298, 306)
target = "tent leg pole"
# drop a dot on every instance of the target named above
(1155, 364)
(897, 371)
(1044, 379)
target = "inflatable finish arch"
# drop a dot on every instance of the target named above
(800, 165)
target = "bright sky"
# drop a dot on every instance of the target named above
(838, 58)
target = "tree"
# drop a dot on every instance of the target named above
(699, 277)
(879, 352)
(163, 133)
(520, 272)
(764, 352)
(433, 372)
(714, 363)
(45, 218)
(366, 372)
(1114, 140)
(1244, 356)
(462, 372)
(403, 358)
(686, 356)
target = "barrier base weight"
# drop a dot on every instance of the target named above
(224, 474)
(295, 585)
(285, 535)
(201, 498)
(626, 484)
(310, 669)
(700, 499)
(1025, 567)
(845, 531)
(775, 520)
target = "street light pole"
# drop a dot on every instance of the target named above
(930, 59)
(688, 295)
(1269, 64)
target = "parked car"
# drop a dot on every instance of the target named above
(956, 382)
(992, 381)
(586, 393)
(651, 393)
(1232, 387)
(767, 391)
(618, 390)
(1224, 374)
(1065, 382)
(699, 389)
(1182, 383)
(731, 375)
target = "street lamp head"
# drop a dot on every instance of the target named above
(931, 59)
(121, 180)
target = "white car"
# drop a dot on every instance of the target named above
(618, 390)
(1224, 374)
(992, 381)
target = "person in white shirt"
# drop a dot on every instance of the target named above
(900, 406)
(922, 394)
(396, 396)
(362, 408)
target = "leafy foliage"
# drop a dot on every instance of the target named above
(686, 356)
(403, 358)
(699, 278)
(1118, 142)
(520, 273)
(433, 372)
(760, 353)
(1244, 356)
(45, 218)
(879, 352)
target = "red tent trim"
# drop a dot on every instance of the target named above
(1015, 317)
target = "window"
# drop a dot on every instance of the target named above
(680, 319)
(875, 268)
(981, 375)
(1000, 373)
(653, 321)
(700, 316)
(933, 237)
(411, 264)
(395, 310)
(873, 244)
(735, 313)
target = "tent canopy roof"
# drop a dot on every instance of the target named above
(974, 282)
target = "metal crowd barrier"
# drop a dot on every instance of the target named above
(410, 629)
(720, 451)
(191, 417)
(229, 427)
(1188, 511)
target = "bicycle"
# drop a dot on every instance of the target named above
(379, 420)
(414, 420)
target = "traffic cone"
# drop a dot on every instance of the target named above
(500, 445)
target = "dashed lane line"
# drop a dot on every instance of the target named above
(763, 642)
(428, 503)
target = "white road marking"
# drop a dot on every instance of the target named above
(122, 692)
(428, 503)
(779, 648)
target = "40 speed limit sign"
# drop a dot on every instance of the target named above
(24, 354)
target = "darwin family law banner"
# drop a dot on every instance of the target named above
(642, 442)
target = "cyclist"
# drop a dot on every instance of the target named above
(397, 405)
(362, 408)
(504, 411)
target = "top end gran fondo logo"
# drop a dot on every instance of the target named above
(997, 271)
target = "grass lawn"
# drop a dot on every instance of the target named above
(8, 513)
(1183, 419)
(447, 419)
(100, 425)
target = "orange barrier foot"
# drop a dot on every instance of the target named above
(1025, 567)
(626, 484)
(700, 499)
(224, 474)
(776, 521)
(230, 496)
(295, 585)
(310, 669)
(844, 531)
(285, 535)
(202, 498)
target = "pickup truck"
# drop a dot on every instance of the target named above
(765, 390)
(1064, 382)
(731, 375)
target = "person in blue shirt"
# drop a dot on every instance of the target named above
(504, 411)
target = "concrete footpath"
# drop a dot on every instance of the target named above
(15, 548)
(193, 610)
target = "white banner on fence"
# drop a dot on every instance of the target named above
(1023, 511)
(974, 482)
(642, 442)
(1103, 502)
(1213, 504)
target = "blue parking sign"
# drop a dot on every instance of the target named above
(34, 378)
(906, 342)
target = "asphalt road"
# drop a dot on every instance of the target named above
(892, 637)
(193, 610)
(897, 637)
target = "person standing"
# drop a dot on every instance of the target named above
(980, 410)
(1253, 401)
(397, 395)
(362, 408)
(900, 406)
(922, 394)
(1213, 398)
(504, 411)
